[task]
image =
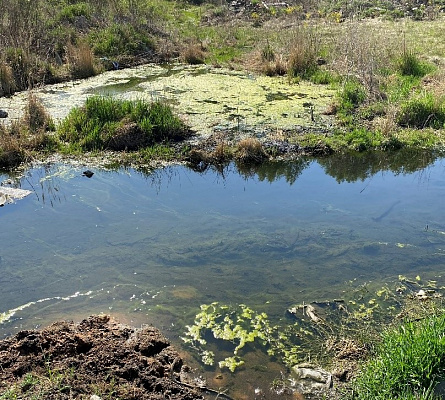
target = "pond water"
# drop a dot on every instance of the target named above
(152, 247)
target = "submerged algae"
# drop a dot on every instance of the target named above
(309, 327)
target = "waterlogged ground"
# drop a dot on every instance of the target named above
(207, 98)
(154, 248)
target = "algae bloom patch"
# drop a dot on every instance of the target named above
(207, 98)
(212, 98)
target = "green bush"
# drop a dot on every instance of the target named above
(71, 11)
(408, 363)
(349, 97)
(119, 40)
(352, 94)
(425, 110)
(362, 139)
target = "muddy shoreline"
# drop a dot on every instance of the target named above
(94, 359)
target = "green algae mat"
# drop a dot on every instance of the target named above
(208, 99)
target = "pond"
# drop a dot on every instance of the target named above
(152, 247)
(207, 99)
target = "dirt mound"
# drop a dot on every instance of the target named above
(97, 358)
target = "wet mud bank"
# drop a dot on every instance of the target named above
(94, 359)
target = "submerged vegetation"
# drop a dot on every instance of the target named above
(388, 341)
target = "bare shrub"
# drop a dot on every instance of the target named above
(81, 60)
(363, 51)
(250, 151)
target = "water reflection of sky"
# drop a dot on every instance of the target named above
(134, 243)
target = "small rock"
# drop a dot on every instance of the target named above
(95, 397)
(421, 295)
(3, 114)
(308, 380)
(88, 173)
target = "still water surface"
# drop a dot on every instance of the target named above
(152, 247)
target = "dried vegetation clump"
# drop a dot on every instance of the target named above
(22, 138)
(250, 151)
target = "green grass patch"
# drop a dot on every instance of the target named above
(409, 361)
(410, 64)
(423, 111)
(118, 40)
(108, 123)
(349, 97)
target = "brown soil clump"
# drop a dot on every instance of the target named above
(96, 358)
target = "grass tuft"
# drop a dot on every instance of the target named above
(304, 54)
(250, 151)
(108, 123)
(410, 65)
(408, 363)
(21, 139)
(81, 60)
(424, 110)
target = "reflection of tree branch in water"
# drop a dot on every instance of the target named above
(378, 219)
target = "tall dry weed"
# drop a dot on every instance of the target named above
(7, 81)
(81, 60)
(304, 52)
(12, 152)
(36, 119)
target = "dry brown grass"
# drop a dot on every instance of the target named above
(193, 54)
(221, 154)
(250, 151)
(7, 81)
(12, 153)
(21, 138)
(304, 52)
(35, 118)
(81, 60)
(387, 124)
(276, 67)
